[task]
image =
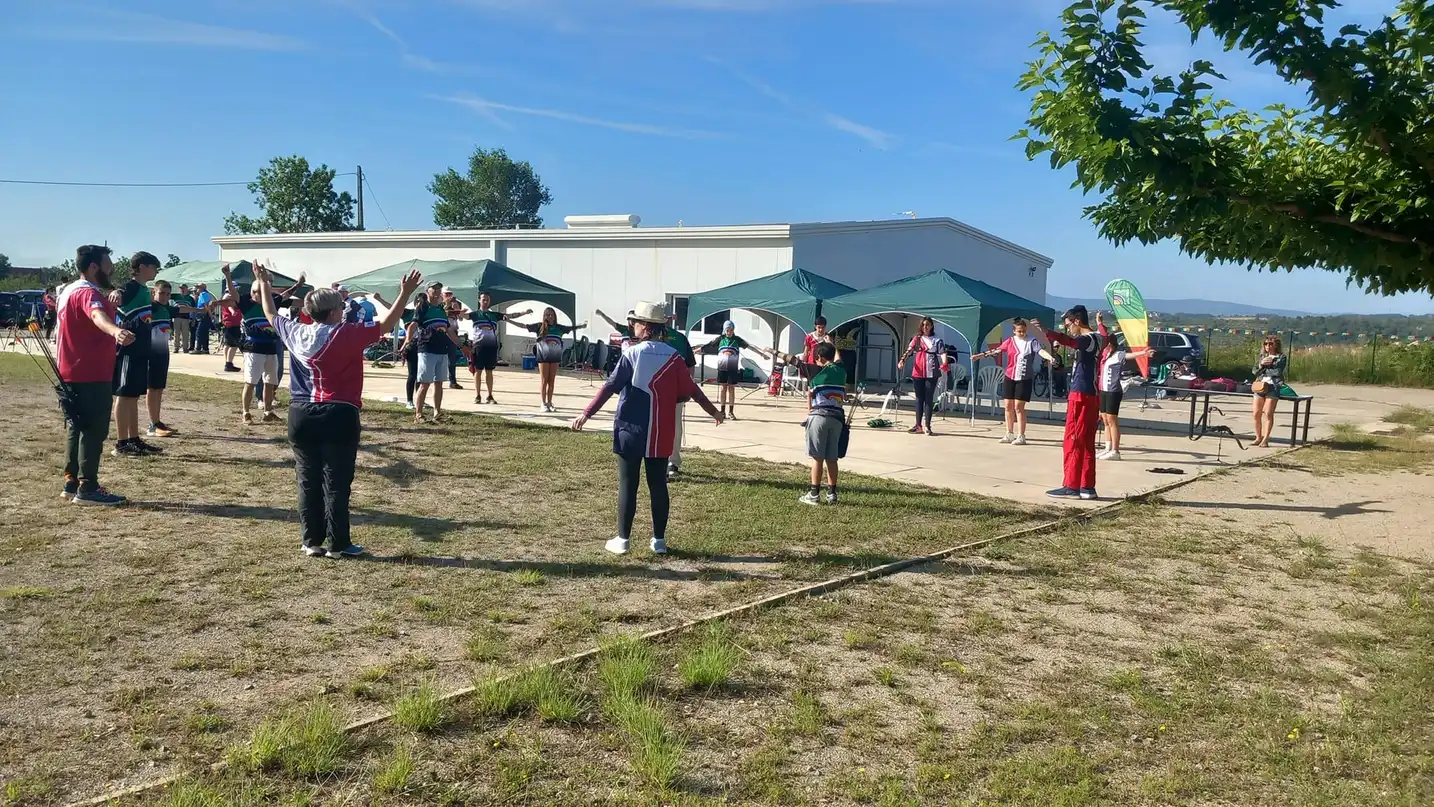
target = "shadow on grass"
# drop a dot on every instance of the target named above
(423, 527)
(948, 502)
(211, 460)
(561, 569)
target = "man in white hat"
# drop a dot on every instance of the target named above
(650, 380)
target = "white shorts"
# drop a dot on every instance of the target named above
(432, 368)
(261, 368)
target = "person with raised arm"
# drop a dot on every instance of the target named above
(326, 369)
(1107, 384)
(259, 343)
(549, 351)
(1019, 350)
(650, 380)
(1082, 407)
(728, 348)
(486, 339)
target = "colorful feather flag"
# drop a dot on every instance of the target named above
(1129, 308)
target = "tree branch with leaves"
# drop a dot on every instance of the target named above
(1342, 183)
(496, 194)
(293, 198)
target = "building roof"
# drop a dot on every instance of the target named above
(629, 232)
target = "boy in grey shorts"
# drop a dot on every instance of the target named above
(826, 393)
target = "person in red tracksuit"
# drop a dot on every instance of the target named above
(1082, 405)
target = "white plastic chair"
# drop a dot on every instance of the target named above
(988, 387)
(953, 397)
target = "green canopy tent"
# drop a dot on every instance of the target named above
(468, 279)
(969, 307)
(212, 274)
(795, 295)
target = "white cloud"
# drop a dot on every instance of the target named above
(876, 137)
(491, 108)
(135, 27)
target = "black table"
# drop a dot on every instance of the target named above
(1200, 410)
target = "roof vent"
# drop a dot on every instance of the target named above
(607, 222)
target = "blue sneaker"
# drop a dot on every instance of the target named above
(1063, 493)
(98, 496)
(1089, 494)
(72, 486)
(350, 551)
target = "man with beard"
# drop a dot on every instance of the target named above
(85, 353)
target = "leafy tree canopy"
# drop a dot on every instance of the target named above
(497, 193)
(172, 260)
(4, 261)
(1342, 184)
(292, 198)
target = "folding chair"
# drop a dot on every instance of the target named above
(988, 387)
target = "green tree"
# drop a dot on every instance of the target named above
(1342, 184)
(292, 198)
(497, 193)
(4, 262)
(172, 261)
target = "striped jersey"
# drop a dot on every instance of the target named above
(827, 390)
(1020, 357)
(326, 362)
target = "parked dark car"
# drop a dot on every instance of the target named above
(12, 310)
(1169, 347)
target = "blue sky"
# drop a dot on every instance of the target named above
(707, 111)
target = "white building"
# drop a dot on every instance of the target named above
(609, 262)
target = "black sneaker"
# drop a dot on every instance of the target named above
(72, 486)
(229, 368)
(1063, 493)
(350, 551)
(98, 496)
(147, 448)
(315, 551)
(490, 400)
(127, 448)
(1089, 494)
(454, 385)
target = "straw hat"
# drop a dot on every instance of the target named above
(651, 313)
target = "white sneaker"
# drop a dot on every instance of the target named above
(1110, 455)
(552, 408)
(542, 407)
(617, 546)
(408, 405)
(1008, 439)
(1020, 440)
(659, 546)
(810, 498)
(831, 498)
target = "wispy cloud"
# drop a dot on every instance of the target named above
(107, 25)
(491, 108)
(406, 53)
(875, 137)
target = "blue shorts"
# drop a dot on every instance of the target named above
(432, 368)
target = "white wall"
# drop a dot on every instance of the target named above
(326, 263)
(855, 258)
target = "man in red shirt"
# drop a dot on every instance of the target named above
(85, 353)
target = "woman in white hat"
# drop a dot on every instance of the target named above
(729, 347)
(650, 380)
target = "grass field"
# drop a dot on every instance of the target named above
(1163, 656)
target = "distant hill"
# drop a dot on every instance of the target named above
(1209, 308)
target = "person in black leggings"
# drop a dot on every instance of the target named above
(929, 363)
(650, 380)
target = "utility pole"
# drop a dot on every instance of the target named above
(360, 197)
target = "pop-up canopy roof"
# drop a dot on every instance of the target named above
(969, 307)
(795, 295)
(211, 273)
(468, 279)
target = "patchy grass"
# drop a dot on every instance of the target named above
(476, 585)
(395, 776)
(1351, 451)
(709, 665)
(306, 742)
(421, 708)
(626, 668)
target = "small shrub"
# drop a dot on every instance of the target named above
(552, 696)
(808, 714)
(656, 750)
(24, 593)
(710, 664)
(421, 709)
(498, 697)
(484, 646)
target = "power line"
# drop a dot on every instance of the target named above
(377, 203)
(135, 184)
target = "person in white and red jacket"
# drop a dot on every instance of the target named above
(928, 354)
(1019, 351)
